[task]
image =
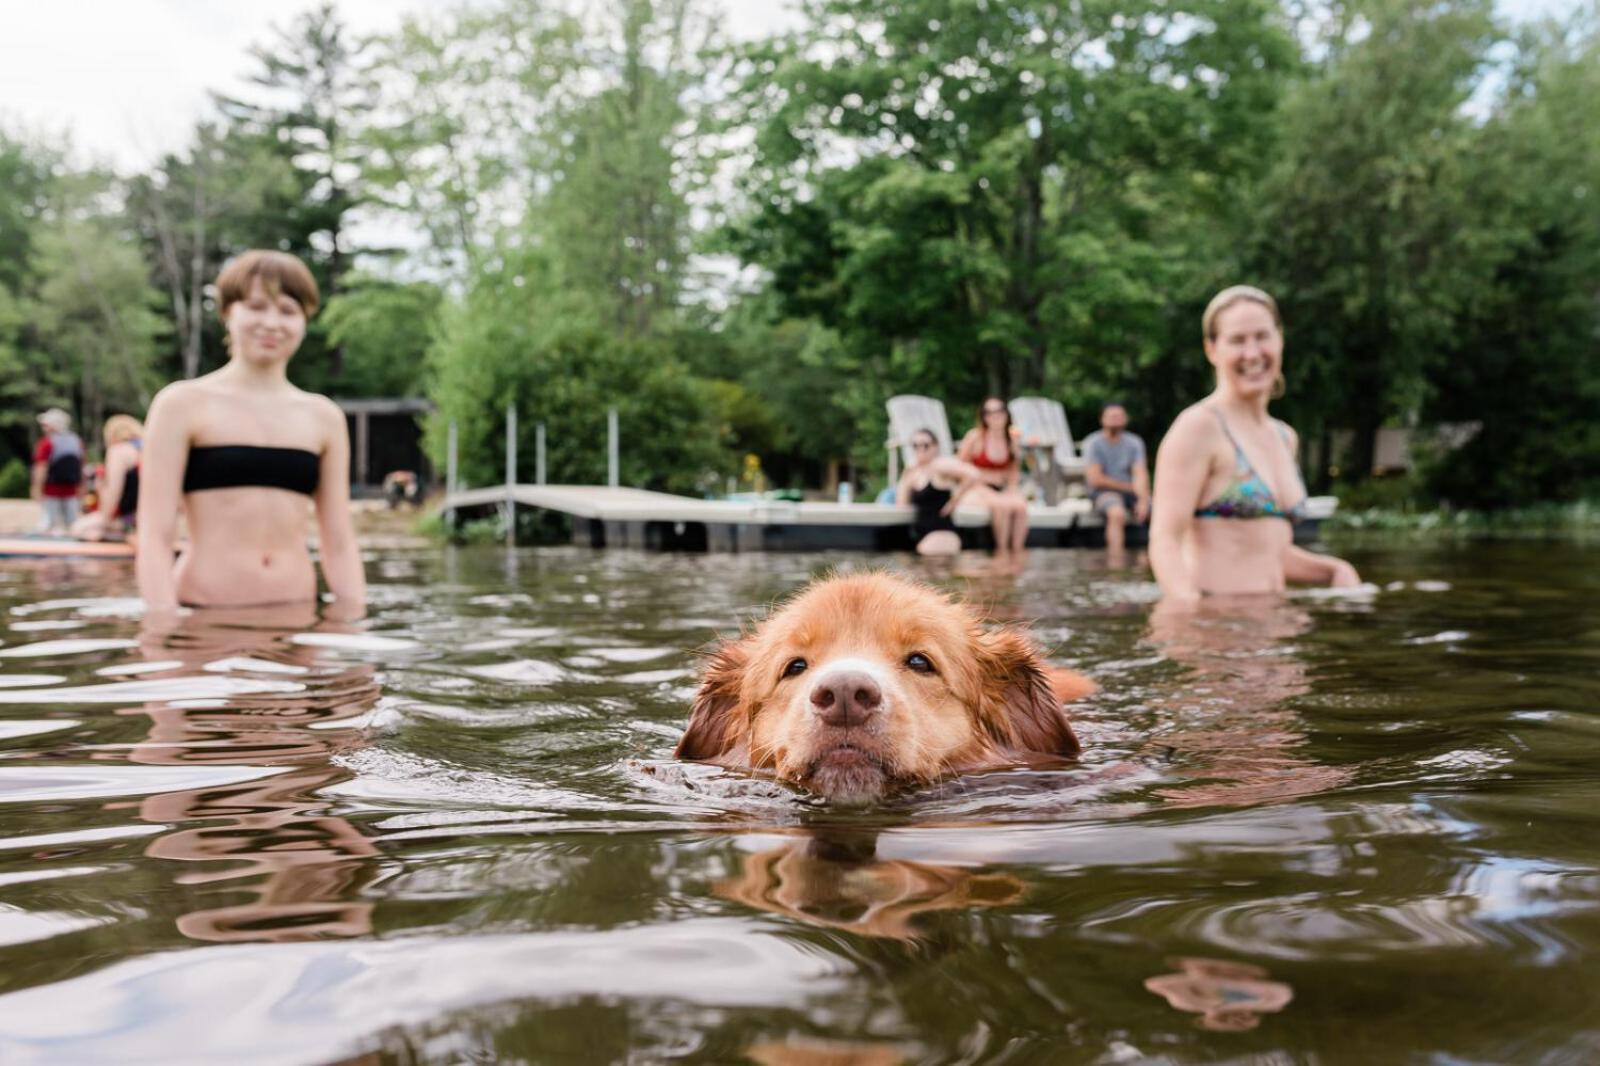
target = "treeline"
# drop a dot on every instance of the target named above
(746, 247)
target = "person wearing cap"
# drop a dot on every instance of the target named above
(57, 472)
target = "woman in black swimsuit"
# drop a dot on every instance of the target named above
(118, 488)
(245, 454)
(931, 485)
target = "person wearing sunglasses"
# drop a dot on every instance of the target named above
(931, 486)
(991, 446)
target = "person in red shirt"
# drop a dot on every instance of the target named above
(57, 471)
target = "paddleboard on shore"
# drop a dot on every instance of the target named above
(37, 547)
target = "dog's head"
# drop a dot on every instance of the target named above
(864, 684)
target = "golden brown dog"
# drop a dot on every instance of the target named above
(865, 684)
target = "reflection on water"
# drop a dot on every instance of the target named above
(1228, 996)
(1302, 830)
(1231, 723)
(299, 867)
(833, 878)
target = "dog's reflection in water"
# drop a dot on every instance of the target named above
(834, 878)
(300, 867)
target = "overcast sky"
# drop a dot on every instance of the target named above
(128, 78)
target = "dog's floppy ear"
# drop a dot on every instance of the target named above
(1024, 697)
(715, 724)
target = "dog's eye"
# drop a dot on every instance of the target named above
(919, 662)
(795, 668)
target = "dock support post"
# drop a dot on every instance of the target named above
(450, 484)
(511, 475)
(538, 454)
(612, 454)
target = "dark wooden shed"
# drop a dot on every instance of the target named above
(385, 435)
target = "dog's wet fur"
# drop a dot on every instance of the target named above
(864, 685)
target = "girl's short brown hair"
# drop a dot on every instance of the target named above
(278, 272)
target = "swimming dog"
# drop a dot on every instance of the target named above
(867, 684)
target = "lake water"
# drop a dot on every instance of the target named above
(1333, 829)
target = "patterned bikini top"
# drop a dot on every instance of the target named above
(1248, 495)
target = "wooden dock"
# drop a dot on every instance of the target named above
(606, 517)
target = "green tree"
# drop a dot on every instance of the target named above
(95, 315)
(28, 183)
(622, 156)
(196, 209)
(1521, 359)
(518, 337)
(78, 327)
(456, 144)
(972, 193)
(314, 94)
(1365, 234)
(384, 329)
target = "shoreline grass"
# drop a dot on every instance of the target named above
(1579, 520)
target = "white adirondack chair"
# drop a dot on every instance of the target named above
(1047, 441)
(907, 415)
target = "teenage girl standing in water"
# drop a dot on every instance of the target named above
(1227, 483)
(245, 452)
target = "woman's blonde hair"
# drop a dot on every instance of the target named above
(121, 428)
(278, 272)
(1230, 296)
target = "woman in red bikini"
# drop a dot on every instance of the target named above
(992, 448)
(245, 454)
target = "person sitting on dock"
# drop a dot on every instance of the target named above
(1118, 475)
(992, 447)
(931, 486)
(402, 486)
(117, 492)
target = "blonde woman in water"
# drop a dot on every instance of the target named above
(1227, 483)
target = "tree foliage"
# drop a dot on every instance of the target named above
(519, 339)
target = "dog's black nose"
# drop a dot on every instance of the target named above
(846, 698)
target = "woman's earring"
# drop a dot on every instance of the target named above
(1279, 387)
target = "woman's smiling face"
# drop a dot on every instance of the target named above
(265, 328)
(1247, 350)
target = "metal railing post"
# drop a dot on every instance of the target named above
(613, 478)
(450, 484)
(538, 454)
(511, 475)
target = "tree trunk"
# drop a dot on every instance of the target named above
(197, 280)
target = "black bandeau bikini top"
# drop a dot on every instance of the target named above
(227, 466)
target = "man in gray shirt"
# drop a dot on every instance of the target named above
(1118, 476)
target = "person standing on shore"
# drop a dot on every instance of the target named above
(57, 472)
(244, 452)
(1118, 475)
